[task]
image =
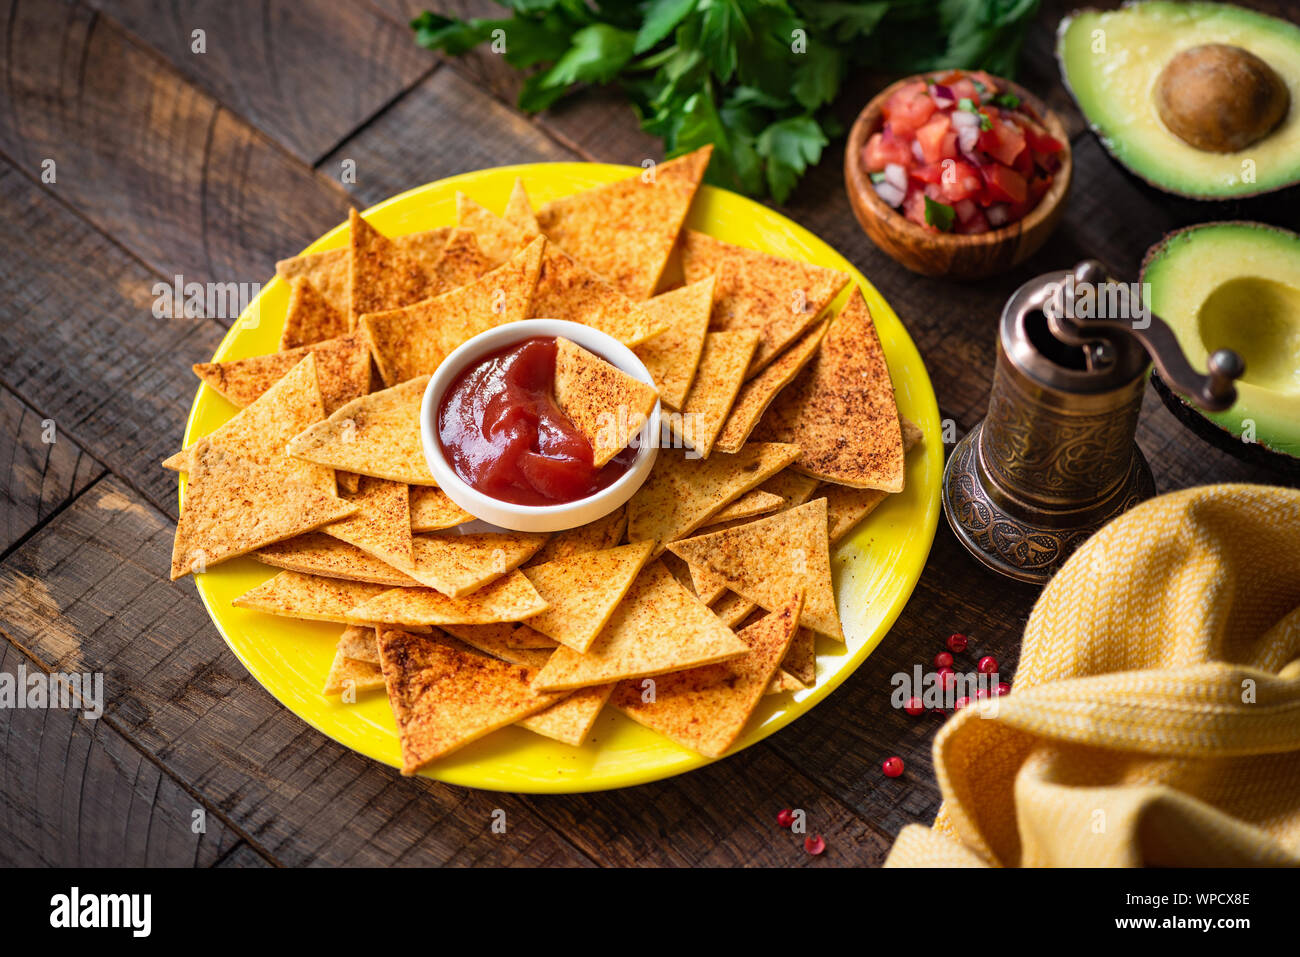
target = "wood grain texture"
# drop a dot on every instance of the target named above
(79, 342)
(36, 475)
(147, 157)
(304, 72)
(76, 793)
(420, 139)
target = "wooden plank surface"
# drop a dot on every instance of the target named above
(213, 166)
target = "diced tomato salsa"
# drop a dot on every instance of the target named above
(958, 152)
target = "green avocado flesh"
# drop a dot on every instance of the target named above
(1237, 286)
(1112, 60)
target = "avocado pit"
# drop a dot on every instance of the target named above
(1220, 98)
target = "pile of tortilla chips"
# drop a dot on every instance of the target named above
(708, 590)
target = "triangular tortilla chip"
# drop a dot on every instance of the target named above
(524, 638)
(380, 277)
(414, 340)
(846, 506)
(294, 595)
(497, 238)
(682, 492)
(732, 609)
(342, 372)
(381, 524)
(310, 317)
(794, 489)
(377, 434)
(750, 505)
(360, 643)
(233, 506)
(519, 210)
(840, 411)
(444, 698)
(758, 393)
(603, 402)
(260, 431)
(319, 554)
(328, 270)
(706, 709)
(583, 592)
(347, 674)
(708, 586)
(673, 356)
(771, 557)
(625, 231)
(658, 627)
(457, 565)
(461, 262)
(604, 532)
(510, 598)
(568, 720)
(433, 511)
(778, 297)
(717, 382)
(800, 661)
(568, 290)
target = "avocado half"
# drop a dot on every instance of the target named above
(1236, 285)
(1112, 62)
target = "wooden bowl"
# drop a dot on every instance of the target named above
(934, 253)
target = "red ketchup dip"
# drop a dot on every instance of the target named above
(503, 434)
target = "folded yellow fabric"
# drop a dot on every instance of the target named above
(1155, 714)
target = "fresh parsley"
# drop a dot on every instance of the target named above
(1008, 100)
(755, 78)
(939, 215)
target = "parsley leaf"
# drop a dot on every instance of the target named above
(939, 215)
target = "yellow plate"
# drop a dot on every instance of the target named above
(875, 569)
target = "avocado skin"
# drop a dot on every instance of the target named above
(1277, 206)
(1252, 453)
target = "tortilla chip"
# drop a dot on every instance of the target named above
(794, 489)
(510, 598)
(379, 276)
(682, 492)
(602, 401)
(381, 524)
(348, 674)
(498, 238)
(444, 698)
(709, 586)
(414, 340)
(342, 372)
(583, 592)
(717, 382)
(524, 638)
(673, 356)
(461, 262)
(658, 627)
(840, 411)
(800, 661)
(233, 506)
(602, 533)
(519, 210)
(567, 290)
(328, 270)
(706, 709)
(319, 554)
(433, 511)
(457, 565)
(750, 505)
(759, 391)
(770, 557)
(732, 609)
(377, 435)
(310, 317)
(780, 298)
(260, 431)
(294, 595)
(624, 231)
(846, 507)
(360, 643)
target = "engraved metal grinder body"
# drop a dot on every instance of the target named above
(1055, 458)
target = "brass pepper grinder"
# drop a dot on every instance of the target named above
(1055, 457)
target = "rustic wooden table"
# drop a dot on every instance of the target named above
(127, 158)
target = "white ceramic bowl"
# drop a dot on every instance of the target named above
(535, 518)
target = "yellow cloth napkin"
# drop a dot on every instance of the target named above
(1155, 715)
